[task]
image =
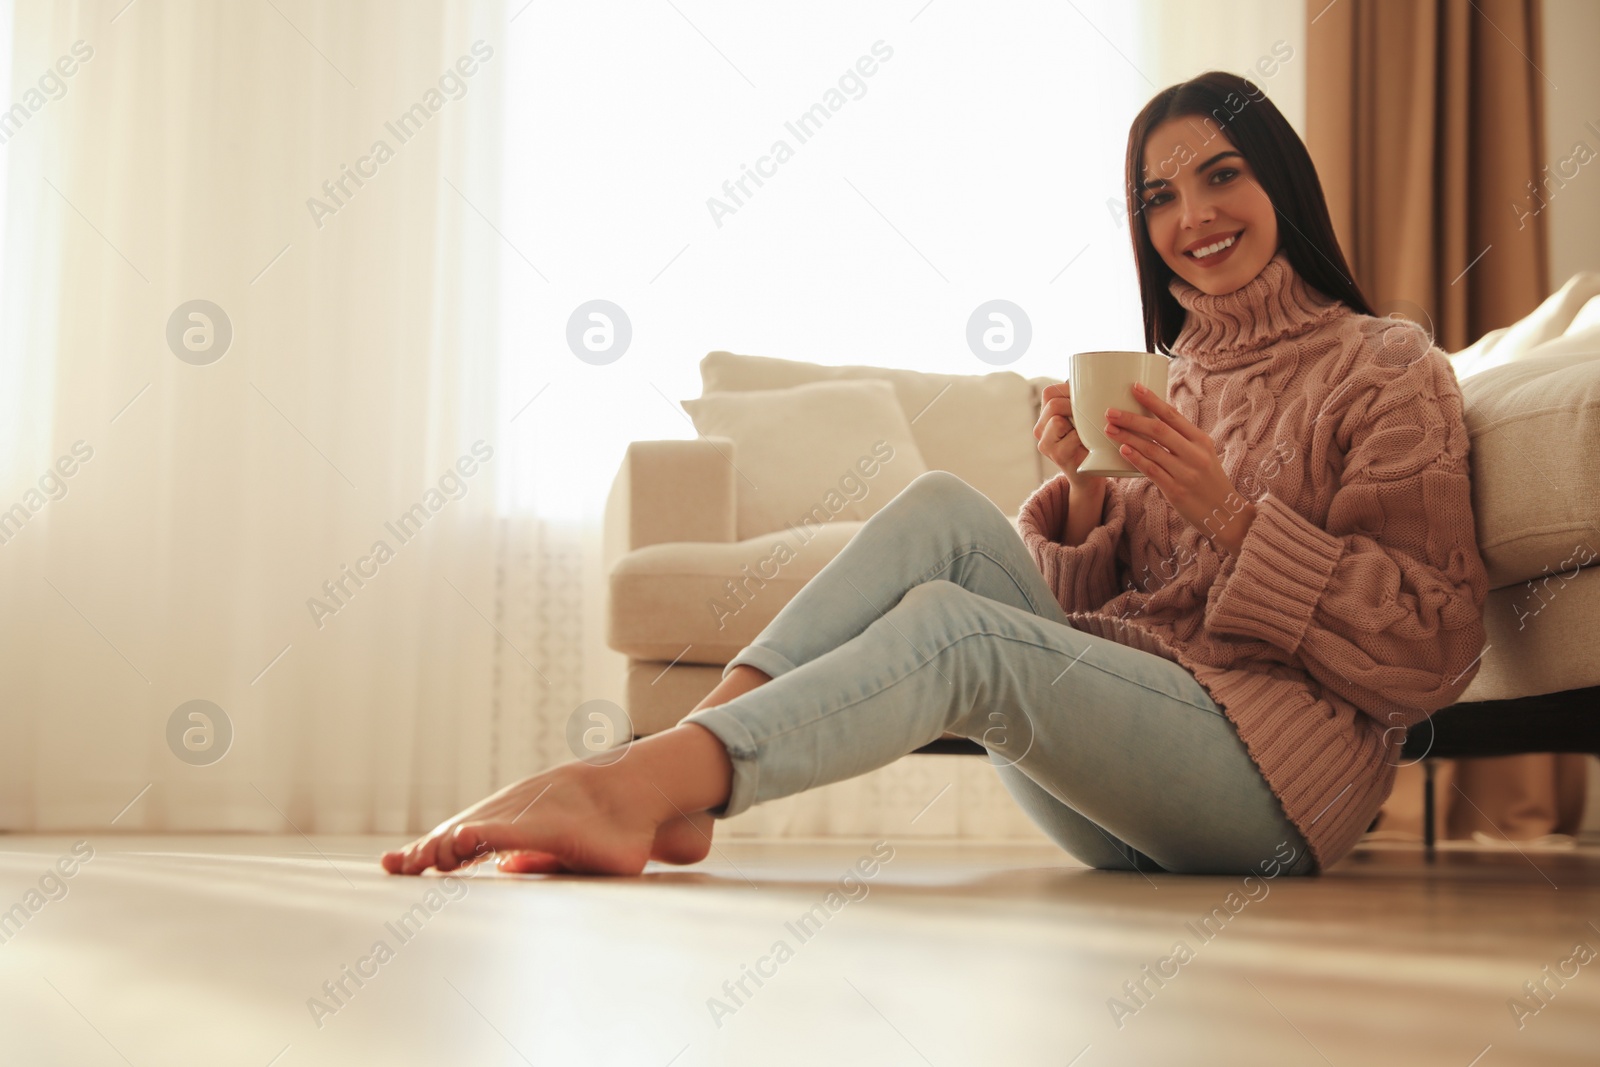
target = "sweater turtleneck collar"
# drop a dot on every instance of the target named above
(1233, 329)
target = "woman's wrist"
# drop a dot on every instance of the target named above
(1086, 490)
(1087, 485)
(1085, 502)
(1231, 537)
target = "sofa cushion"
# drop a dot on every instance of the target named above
(701, 602)
(1566, 311)
(813, 453)
(1579, 340)
(976, 426)
(1539, 637)
(1535, 431)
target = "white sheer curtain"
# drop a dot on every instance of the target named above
(179, 565)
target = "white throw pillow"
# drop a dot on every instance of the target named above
(978, 427)
(812, 453)
(1562, 312)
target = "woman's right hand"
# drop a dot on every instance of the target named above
(1057, 434)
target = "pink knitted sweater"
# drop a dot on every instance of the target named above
(1354, 608)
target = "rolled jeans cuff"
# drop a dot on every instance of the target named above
(762, 659)
(741, 746)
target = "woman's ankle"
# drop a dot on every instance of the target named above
(679, 771)
(742, 679)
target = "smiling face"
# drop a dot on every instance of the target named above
(1201, 196)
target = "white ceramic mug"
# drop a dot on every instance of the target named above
(1102, 380)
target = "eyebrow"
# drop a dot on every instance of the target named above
(1154, 183)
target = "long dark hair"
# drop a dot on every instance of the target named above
(1282, 167)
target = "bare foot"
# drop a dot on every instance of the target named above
(571, 819)
(590, 819)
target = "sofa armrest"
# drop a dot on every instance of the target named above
(671, 491)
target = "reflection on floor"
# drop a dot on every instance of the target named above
(292, 951)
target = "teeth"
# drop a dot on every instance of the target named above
(1211, 250)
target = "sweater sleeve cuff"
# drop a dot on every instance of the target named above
(1044, 513)
(1275, 583)
(1082, 576)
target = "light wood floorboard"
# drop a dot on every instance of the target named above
(209, 950)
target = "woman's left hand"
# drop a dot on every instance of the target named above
(1183, 463)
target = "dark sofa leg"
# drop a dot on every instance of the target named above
(1427, 809)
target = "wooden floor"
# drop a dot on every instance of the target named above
(215, 950)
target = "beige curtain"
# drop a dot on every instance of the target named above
(1425, 120)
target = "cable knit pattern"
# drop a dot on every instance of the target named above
(1354, 608)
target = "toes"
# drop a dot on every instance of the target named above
(397, 860)
(440, 847)
(444, 857)
(435, 850)
(486, 839)
(419, 857)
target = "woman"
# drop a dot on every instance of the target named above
(1206, 670)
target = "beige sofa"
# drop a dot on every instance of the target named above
(1533, 411)
(671, 546)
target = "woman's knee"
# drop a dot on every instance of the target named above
(941, 606)
(951, 499)
(938, 485)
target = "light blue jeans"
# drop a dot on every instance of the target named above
(935, 619)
